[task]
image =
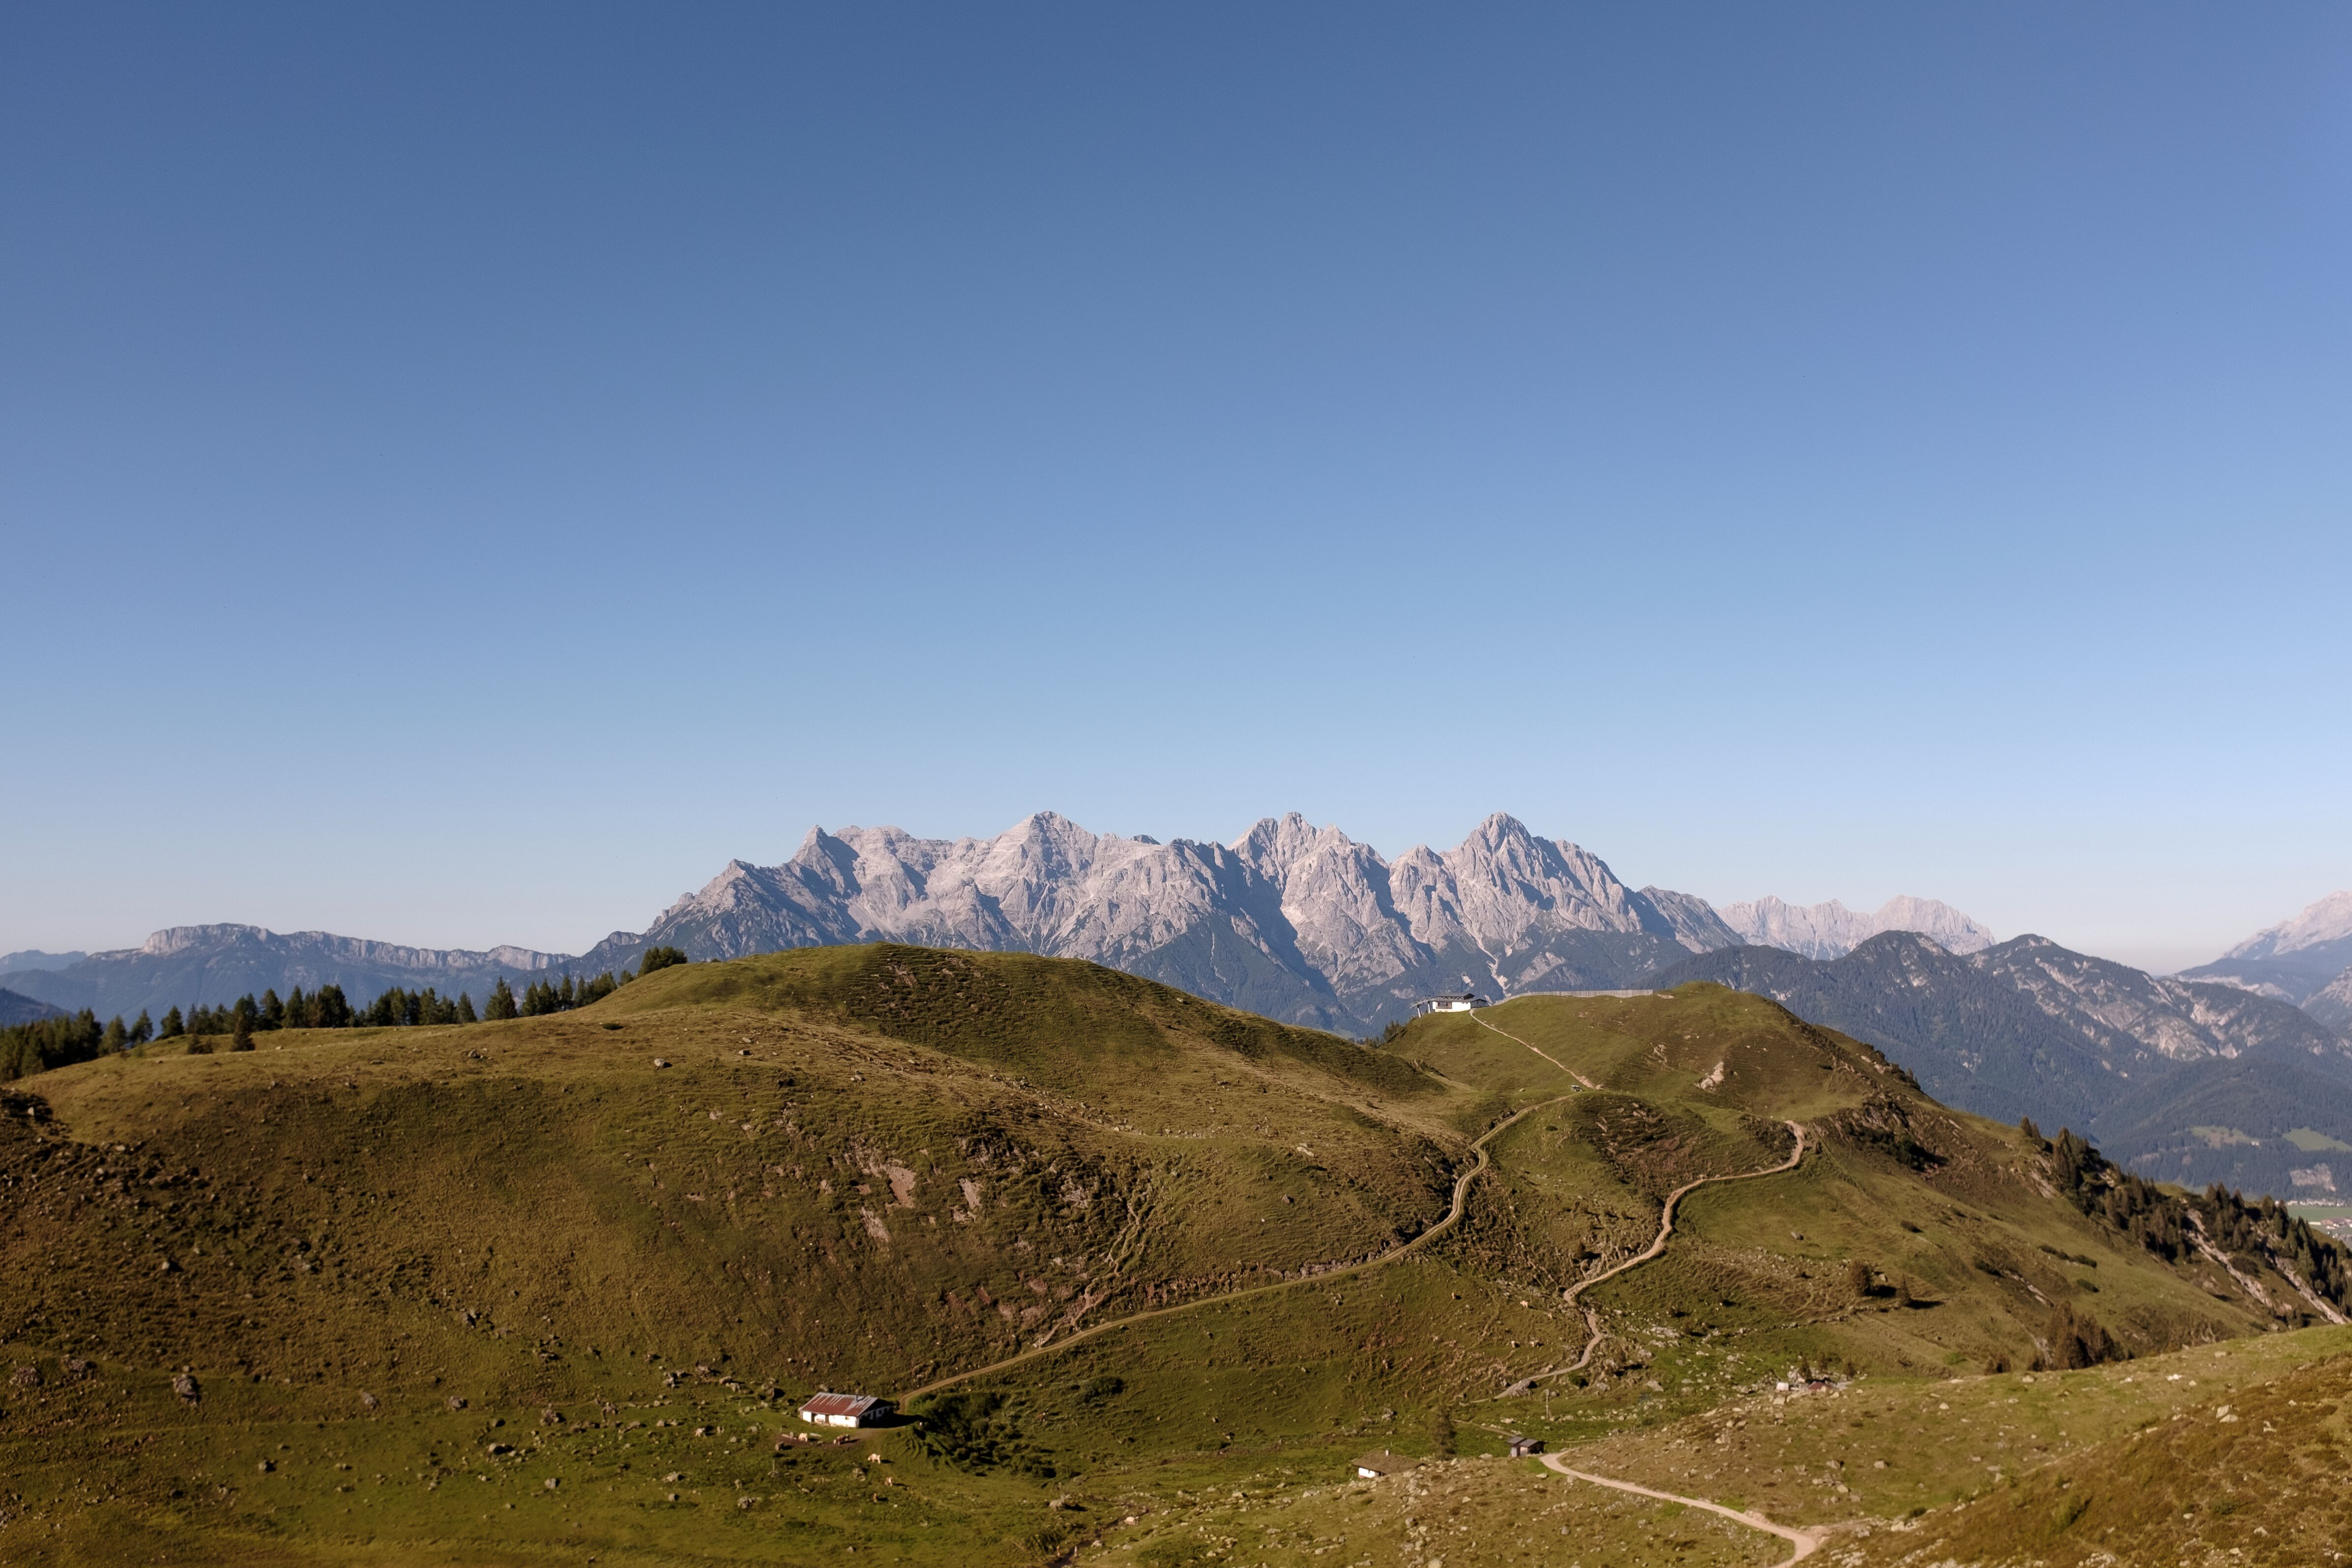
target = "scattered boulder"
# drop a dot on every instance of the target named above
(185, 1388)
(499, 1450)
(457, 1402)
(659, 1062)
(367, 1400)
(26, 1377)
(266, 1466)
(551, 1416)
(76, 1369)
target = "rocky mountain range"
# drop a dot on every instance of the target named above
(218, 964)
(34, 958)
(2306, 959)
(1300, 922)
(2214, 1075)
(1833, 930)
(2192, 1081)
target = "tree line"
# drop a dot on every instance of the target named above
(28, 1048)
(2261, 1231)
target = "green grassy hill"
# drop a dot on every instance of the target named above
(545, 1289)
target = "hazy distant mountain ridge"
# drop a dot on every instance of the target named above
(20, 1009)
(216, 963)
(2027, 1028)
(1833, 930)
(34, 958)
(2306, 959)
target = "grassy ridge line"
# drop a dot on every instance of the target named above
(1452, 1217)
(1545, 1055)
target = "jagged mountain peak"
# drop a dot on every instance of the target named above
(2300, 960)
(1830, 930)
(1299, 920)
(1282, 841)
(2327, 920)
(1294, 919)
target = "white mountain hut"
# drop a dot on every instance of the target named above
(1468, 1001)
(844, 1410)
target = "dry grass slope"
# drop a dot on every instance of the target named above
(415, 1276)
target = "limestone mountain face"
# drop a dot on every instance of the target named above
(1833, 930)
(1300, 922)
(2332, 1004)
(2306, 959)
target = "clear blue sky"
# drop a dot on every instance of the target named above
(467, 471)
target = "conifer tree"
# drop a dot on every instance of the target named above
(241, 1039)
(116, 1036)
(273, 1011)
(172, 1026)
(501, 1004)
(466, 1008)
(144, 1030)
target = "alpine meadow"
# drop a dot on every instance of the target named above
(1144, 1275)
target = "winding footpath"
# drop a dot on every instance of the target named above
(1462, 1185)
(1657, 1245)
(1803, 1542)
(1665, 1217)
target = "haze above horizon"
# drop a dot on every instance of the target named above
(467, 475)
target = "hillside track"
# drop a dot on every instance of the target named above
(1462, 1185)
(1802, 1543)
(1657, 1244)
(1538, 1050)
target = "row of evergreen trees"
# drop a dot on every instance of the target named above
(2260, 1232)
(27, 1049)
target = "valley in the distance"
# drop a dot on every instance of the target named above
(550, 1289)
